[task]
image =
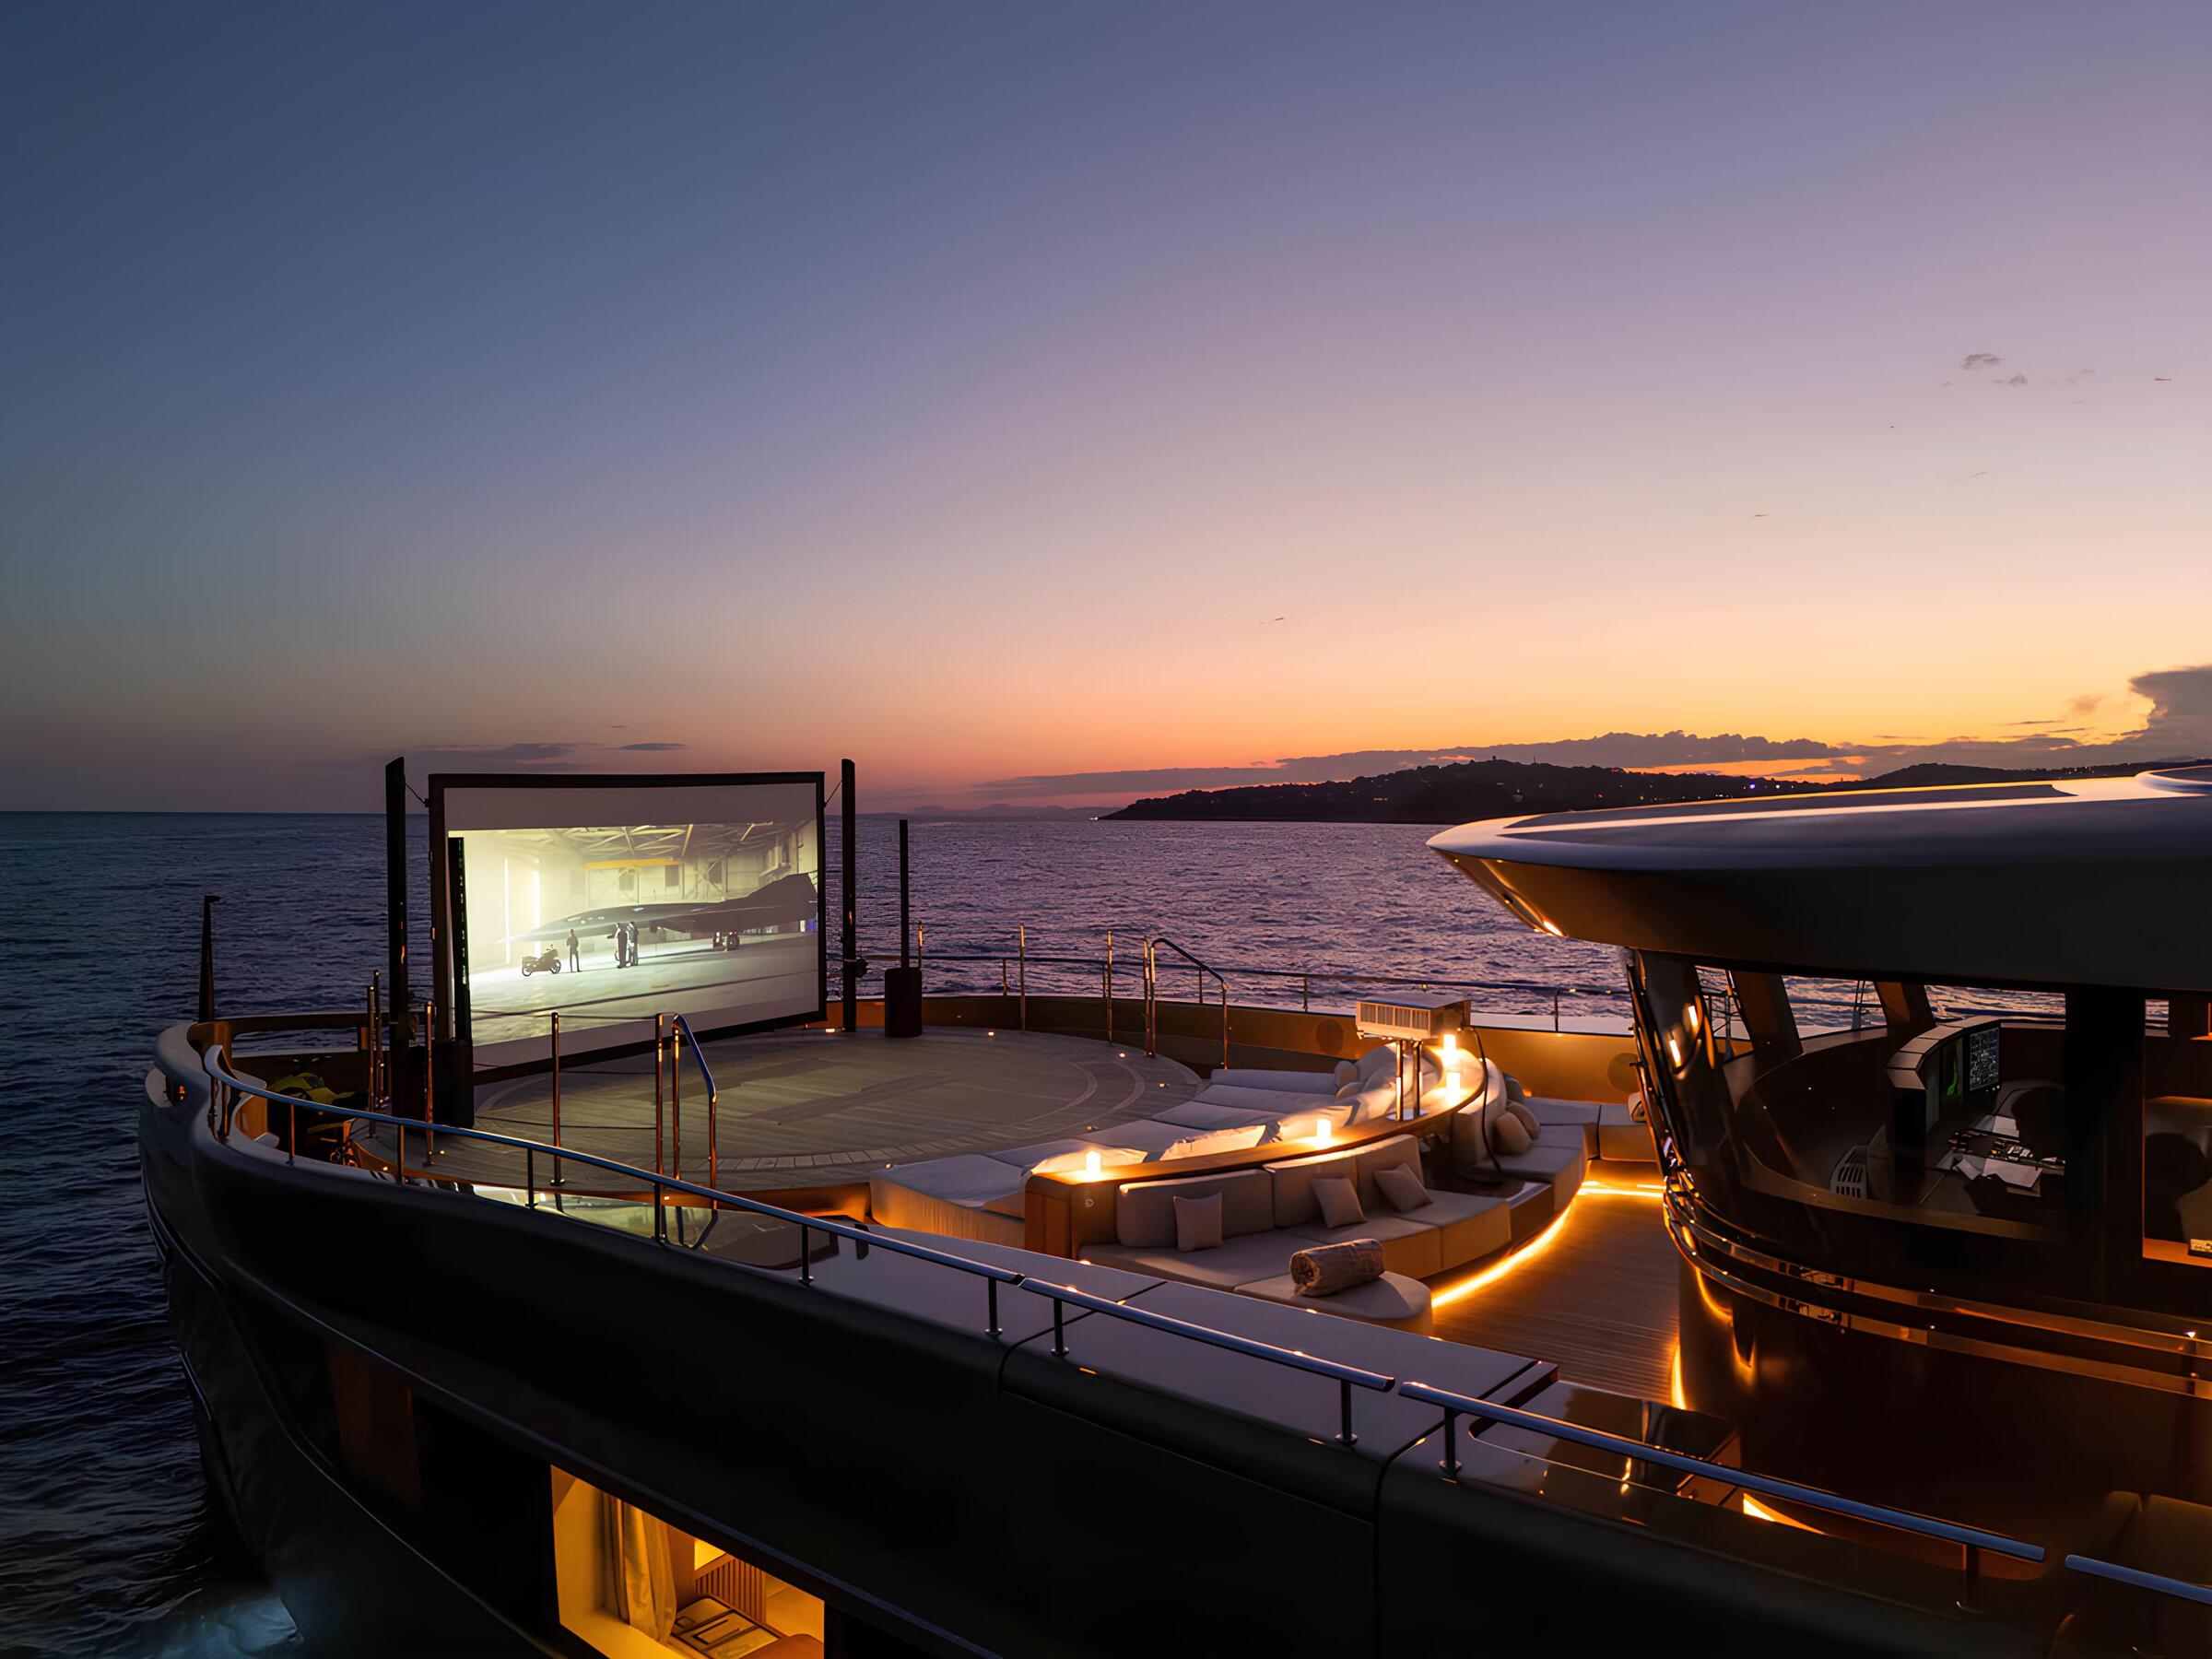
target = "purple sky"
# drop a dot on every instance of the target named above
(999, 394)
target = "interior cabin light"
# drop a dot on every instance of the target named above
(1552, 928)
(1673, 1051)
(1689, 1016)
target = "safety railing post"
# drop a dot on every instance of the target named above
(660, 1054)
(1022, 944)
(1110, 985)
(676, 1104)
(713, 1095)
(554, 1018)
(1224, 984)
(1151, 1012)
(429, 1079)
(805, 1254)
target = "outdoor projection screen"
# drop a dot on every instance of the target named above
(611, 899)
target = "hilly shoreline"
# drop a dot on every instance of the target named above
(1478, 789)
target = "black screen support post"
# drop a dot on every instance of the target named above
(853, 966)
(396, 923)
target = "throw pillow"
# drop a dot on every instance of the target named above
(1401, 1188)
(1346, 1072)
(1509, 1136)
(1198, 1223)
(1339, 1201)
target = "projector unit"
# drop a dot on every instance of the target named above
(1412, 1018)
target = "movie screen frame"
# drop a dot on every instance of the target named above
(623, 1016)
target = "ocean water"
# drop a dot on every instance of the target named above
(107, 1543)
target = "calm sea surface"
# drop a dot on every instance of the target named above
(106, 1542)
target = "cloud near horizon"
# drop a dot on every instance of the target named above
(2178, 726)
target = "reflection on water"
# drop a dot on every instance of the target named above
(226, 1622)
(107, 1543)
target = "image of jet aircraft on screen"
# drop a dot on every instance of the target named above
(605, 925)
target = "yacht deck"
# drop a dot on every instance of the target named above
(1598, 1299)
(808, 1108)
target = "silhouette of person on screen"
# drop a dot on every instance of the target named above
(575, 955)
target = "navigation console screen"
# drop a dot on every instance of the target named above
(1984, 1052)
(613, 903)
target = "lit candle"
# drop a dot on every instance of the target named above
(1091, 1166)
(1323, 1130)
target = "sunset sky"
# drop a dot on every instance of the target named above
(1060, 402)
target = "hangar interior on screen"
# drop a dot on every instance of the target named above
(607, 903)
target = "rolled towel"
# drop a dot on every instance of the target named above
(1325, 1269)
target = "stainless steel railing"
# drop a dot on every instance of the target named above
(225, 1088)
(1345, 1377)
(1454, 1406)
(1203, 971)
(2156, 1583)
(684, 1034)
(222, 1080)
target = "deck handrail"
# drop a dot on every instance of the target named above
(1455, 1406)
(685, 1033)
(1345, 1377)
(214, 1062)
(1152, 948)
(807, 1225)
(2182, 1589)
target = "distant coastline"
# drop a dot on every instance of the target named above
(1479, 789)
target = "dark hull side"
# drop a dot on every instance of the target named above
(390, 1372)
(350, 1585)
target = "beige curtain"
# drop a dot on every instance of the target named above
(637, 1559)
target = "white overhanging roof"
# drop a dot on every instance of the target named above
(2104, 881)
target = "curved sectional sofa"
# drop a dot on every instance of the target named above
(1261, 1139)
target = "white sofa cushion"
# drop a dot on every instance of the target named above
(1279, 1082)
(1218, 1141)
